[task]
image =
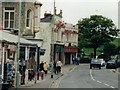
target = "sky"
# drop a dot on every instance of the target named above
(74, 10)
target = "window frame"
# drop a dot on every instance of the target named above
(9, 20)
(28, 18)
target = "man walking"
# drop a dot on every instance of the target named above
(73, 59)
(59, 64)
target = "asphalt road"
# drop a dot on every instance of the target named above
(83, 77)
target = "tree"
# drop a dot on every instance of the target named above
(110, 49)
(95, 31)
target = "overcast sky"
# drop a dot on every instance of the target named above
(73, 10)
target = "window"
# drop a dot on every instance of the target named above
(67, 37)
(9, 17)
(28, 18)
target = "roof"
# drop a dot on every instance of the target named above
(4, 36)
(47, 18)
(39, 42)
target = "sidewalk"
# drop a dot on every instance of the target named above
(64, 70)
(116, 70)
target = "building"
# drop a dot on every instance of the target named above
(70, 39)
(60, 38)
(29, 25)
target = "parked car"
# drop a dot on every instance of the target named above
(111, 64)
(95, 63)
(102, 62)
(118, 63)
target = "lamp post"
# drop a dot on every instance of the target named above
(18, 47)
(52, 41)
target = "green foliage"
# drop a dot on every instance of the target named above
(109, 49)
(95, 32)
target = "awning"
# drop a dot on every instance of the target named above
(13, 38)
(39, 42)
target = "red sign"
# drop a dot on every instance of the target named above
(70, 49)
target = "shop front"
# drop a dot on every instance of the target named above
(9, 59)
(70, 52)
(58, 52)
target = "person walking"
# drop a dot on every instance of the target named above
(51, 68)
(59, 64)
(78, 60)
(54, 67)
(45, 68)
(73, 59)
(42, 74)
(41, 66)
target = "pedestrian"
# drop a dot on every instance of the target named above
(42, 74)
(41, 66)
(73, 59)
(45, 68)
(54, 67)
(78, 60)
(59, 64)
(51, 68)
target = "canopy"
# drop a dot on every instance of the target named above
(13, 38)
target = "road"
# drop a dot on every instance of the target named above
(83, 77)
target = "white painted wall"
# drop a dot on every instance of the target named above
(45, 34)
(50, 37)
(72, 38)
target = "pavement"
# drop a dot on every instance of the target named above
(116, 70)
(64, 70)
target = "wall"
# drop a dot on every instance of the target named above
(45, 34)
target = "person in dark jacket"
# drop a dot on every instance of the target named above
(41, 66)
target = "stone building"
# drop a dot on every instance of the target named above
(29, 25)
(30, 14)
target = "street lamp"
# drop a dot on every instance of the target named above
(18, 47)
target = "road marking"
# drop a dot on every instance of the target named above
(106, 84)
(99, 81)
(91, 75)
(112, 87)
(60, 79)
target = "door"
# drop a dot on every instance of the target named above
(67, 58)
